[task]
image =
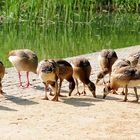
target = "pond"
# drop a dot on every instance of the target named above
(59, 40)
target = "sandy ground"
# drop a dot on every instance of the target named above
(23, 115)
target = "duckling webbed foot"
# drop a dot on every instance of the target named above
(84, 93)
(114, 92)
(20, 85)
(62, 95)
(125, 99)
(78, 93)
(45, 98)
(55, 98)
(28, 85)
(52, 94)
(135, 101)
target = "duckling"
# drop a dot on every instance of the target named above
(23, 60)
(134, 59)
(81, 71)
(65, 72)
(2, 72)
(56, 69)
(48, 72)
(120, 63)
(124, 77)
(106, 58)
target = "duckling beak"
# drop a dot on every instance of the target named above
(94, 94)
(105, 92)
(92, 88)
(104, 96)
(97, 81)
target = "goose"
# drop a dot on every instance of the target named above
(2, 72)
(124, 77)
(106, 58)
(23, 60)
(82, 71)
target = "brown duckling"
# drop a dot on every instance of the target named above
(54, 70)
(48, 72)
(124, 77)
(65, 72)
(81, 71)
(2, 72)
(24, 60)
(106, 58)
(134, 59)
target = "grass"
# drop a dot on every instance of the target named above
(60, 40)
(66, 11)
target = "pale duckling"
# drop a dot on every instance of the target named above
(120, 63)
(124, 77)
(48, 72)
(82, 71)
(65, 72)
(106, 58)
(24, 60)
(2, 72)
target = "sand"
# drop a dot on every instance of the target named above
(24, 115)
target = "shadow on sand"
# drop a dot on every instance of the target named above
(81, 101)
(108, 97)
(20, 100)
(38, 87)
(7, 108)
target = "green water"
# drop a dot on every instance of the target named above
(58, 40)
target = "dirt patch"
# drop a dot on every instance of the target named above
(25, 116)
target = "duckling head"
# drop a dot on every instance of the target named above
(99, 77)
(107, 89)
(92, 88)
